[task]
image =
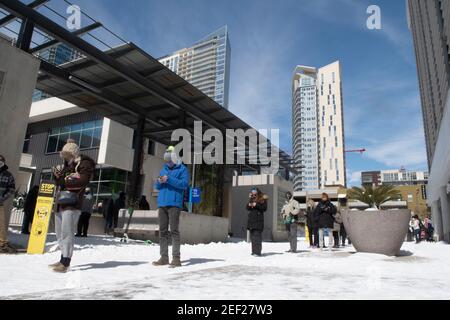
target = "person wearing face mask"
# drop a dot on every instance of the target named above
(171, 183)
(71, 179)
(325, 212)
(7, 190)
(256, 206)
(290, 213)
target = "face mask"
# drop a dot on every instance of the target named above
(170, 157)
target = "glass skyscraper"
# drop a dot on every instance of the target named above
(206, 65)
(56, 55)
(305, 129)
(318, 127)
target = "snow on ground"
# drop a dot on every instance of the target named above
(104, 268)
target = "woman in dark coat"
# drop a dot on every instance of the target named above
(256, 207)
(324, 212)
(312, 223)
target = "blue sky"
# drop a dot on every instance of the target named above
(270, 37)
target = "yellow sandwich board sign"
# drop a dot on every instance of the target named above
(42, 214)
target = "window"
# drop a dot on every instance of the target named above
(87, 135)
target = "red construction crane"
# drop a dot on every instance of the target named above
(361, 151)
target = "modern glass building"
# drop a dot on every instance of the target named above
(304, 128)
(318, 127)
(429, 22)
(58, 54)
(206, 65)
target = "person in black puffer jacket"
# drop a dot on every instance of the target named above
(256, 207)
(325, 212)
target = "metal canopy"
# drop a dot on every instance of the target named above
(126, 85)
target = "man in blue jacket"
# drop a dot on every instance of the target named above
(171, 183)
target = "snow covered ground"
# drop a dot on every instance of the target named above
(104, 268)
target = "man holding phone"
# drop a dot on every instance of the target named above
(171, 183)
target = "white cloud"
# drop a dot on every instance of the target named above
(353, 178)
(406, 149)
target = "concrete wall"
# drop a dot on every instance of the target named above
(439, 179)
(194, 228)
(15, 101)
(275, 187)
(116, 145)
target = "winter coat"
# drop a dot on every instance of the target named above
(143, 204)
(415, 224)
(171, 192)
(337, 221)
(256, 214)
(292, 209)
(119, 204)
(311, 218)
(325, 212)
(88, 202)
(7, 184)
(84, 167)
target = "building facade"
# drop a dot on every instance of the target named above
(110, 144)
(304, 128)
(415, 197)
(395, 177)
(318, 127)
(429, 22)
(206, 65)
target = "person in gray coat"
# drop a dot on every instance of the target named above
(290, 213)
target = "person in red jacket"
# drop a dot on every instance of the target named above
(73, 176)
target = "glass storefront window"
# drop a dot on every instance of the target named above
(87, 135)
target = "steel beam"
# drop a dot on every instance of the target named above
(61, 34)
(137, 161)
(25, 35)
(54, 42)
(35, 4)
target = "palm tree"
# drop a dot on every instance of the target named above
(374, 196)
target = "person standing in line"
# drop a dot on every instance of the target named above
(415, 226)
(342, 233)
(119, 204)
(86, 212)
(108, 214)
(71, 180)
(290, 213)
(311, 222)
(143, 203)
(256, 207)
(337, 228)
(7, 190)
(325, 211)
(172, 182)
(28, 209)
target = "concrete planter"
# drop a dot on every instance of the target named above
(380, 232)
